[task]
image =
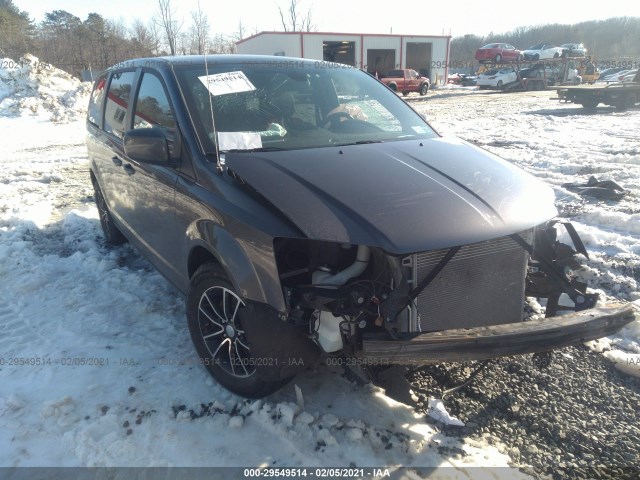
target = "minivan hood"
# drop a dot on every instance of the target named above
(402, 196)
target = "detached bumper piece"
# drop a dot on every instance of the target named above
(481, 343)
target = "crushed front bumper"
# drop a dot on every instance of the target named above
(481, 343)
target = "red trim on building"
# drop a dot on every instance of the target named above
(361, 35)
(446, 65)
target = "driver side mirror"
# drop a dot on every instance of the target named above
(148, 145)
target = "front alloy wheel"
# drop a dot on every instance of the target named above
(214, 314)
(222, 332)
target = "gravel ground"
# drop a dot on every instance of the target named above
(576, 418)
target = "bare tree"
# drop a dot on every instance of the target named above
(295, 21)
(142, 38)
(199, 30)
(169, 24)
(240, 33)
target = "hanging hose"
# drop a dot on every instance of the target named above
(466, 382)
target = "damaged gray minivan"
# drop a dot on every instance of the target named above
(306, 211)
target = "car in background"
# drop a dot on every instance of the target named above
(468, 80)
(628, 77)
(498, 52)
(540, 70)
(542, 51)
(610, 71)
(617, 76)
(497, 78)
(462, 79)
(573, 50)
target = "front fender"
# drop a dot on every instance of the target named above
(250, 265)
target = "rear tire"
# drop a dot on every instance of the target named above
(112, 235)
(214, 316)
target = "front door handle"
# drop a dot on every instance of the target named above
(117, 162)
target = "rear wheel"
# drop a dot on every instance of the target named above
(214, 315)
(112, 235)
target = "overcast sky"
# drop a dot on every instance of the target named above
(360, 16)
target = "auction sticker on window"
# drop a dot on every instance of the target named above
(224, 83)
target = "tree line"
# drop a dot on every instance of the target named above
(611, 39)
(75, 45)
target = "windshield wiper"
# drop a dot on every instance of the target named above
(359, 142)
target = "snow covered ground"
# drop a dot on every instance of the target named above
(96, 365)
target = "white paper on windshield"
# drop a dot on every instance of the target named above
(224, 83)
(239, 140)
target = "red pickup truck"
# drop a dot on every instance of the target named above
(406, 81)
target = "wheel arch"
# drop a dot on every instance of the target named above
(244, 263)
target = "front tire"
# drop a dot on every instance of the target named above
(112, 235)
(424, 89)
(214, 315)
(498, 58)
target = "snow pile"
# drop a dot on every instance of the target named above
(29, 87)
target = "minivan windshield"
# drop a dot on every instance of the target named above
(292, 104)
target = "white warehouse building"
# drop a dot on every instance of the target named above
(427, 54)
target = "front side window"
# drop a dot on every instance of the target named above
(118, 98)
(152, 110)
(152, 105)
(293, 105)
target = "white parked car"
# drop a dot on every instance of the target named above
(618, 76)
(542, 51)
(496, 78)
(628, 77)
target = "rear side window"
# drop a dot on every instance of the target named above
(96, 102)
(118, 98)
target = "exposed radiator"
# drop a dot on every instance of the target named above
(482, 285)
